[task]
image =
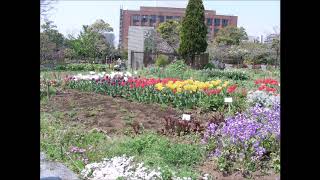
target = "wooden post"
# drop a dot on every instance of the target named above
(48, 96)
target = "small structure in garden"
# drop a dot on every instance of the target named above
(144, 46)
(136, 42)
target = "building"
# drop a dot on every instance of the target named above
(136, 43)
(254, 39)
(270, 38)
(152, 16)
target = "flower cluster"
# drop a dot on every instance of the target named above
(74, 149)
(118, 167)
(97, 76)
(261, 98)
(269, 85)
(192, 86)
(246, 137)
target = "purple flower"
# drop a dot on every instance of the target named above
(74, 149)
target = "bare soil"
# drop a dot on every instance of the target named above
(111, 115)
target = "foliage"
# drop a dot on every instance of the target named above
(51, 42)
(149, 148)
(209, 66)
(82, 67)
(259, 53)
(231, 35)
(229, 74)
(162, 61)
(149, 41)
(91, 42)
(169, 31)
(124, 54)
(179, 66)
(193, 35)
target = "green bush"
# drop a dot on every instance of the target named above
(162, 61)
(178, 66)
(81, 67)
(228, 74)
(209, 66)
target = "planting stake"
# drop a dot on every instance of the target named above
(48, 91)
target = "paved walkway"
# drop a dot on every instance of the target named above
(54, 170)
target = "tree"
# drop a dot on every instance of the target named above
(276, 47)
(231, 35)
(46, 47)
(193, 35)
(51, 42)
(169, 31)
(45, 7)
(258, 53)
(54, 36)
(91, 43)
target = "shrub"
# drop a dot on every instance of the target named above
(162, 61)
(209, 66)
(229, 74)
(178, 66)
(82, 67)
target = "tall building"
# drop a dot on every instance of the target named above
(152, 16)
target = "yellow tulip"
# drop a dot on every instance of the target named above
(219, 87)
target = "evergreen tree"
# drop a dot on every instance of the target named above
(193, 35)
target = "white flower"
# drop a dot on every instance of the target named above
(92, 72)
(135, 72)
(125, 79)
(118, 167)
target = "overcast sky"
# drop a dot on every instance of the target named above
(257, 17)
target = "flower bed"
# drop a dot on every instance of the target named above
(170, 91)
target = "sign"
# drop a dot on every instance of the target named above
(228, 100)
(186, 117)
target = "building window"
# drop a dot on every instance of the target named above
(177, 18)
(144, 18)
(216, 22)
(135, 19)
(209, 21)
(153, 19)
(224, 22)
(161, 19)
(169, 17)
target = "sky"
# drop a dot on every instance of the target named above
(258, 17)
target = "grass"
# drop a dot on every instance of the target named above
(172, 156)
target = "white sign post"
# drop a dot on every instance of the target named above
(228, 100)
(186, 117)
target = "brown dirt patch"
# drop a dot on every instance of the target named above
(106, 113)
(209, 167)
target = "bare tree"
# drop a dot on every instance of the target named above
(45, 7)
